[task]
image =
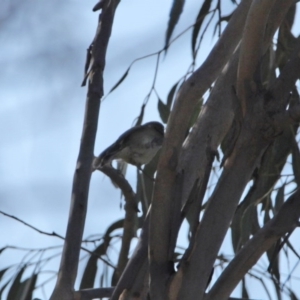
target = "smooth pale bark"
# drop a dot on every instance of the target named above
(252, 46)
(285, 221)
(220, 210)
(287, 218)
(190, 92)
(213, 229)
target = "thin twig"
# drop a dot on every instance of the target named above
(130, 215)
(161, 50)
(52, 234)
(31, 226)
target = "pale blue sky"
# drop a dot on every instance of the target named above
(43, 47)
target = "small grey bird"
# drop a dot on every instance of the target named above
(136, 146)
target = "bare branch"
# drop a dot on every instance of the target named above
(208, 123)
(252, 45)
(52, 234)
(136, 262)
(257, 38)
(285, 221)
(32, 227)
(88, 294)
(30, 249)
(69, 262)
(130, 216)
(219, 213)
(118, 178)
(276, 16)
(286, 80)
(190, 92)
(214, 122)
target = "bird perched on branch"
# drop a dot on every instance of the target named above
(136, 146)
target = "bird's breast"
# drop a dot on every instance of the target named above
(140, 153)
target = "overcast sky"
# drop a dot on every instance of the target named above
(43, 48)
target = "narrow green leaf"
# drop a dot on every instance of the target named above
(293, 296)
(236, 228)
(102, 279)
(244, 289)
(273, 257)
(151, 167)
(254, 220)
(286, 39)
(175, 13)
(222, 19)
(265, 287)
(3, 288)
(196, 112)
(272, 253)
(171, 95)
(277, 288)
(199, 20)
(292, 249)
(296, 162)
(99, 5)
(265, 203)
(145, 184)
(246, 225)
(16, 285)
(164, 111)
(140, 118)
(90, 271)
(2, 272)
(116, 225)
(28, 288)
(279, 198)
(119, 81)
(267, 217)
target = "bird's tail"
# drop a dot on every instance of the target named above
(105, 157)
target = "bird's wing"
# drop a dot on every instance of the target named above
(110, 152)
(124, 138)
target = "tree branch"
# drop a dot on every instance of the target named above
(130, 216)
(135, 263)
(252, 46)
(285, 221)
(53, 234)
(257, 38)
(266, 177)
(186, 100)
(31, 226)
(195, 158)
(88, 294)
(64, 288)
(219, 212)
(286, 80)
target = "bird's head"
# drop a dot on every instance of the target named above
(156, 126)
